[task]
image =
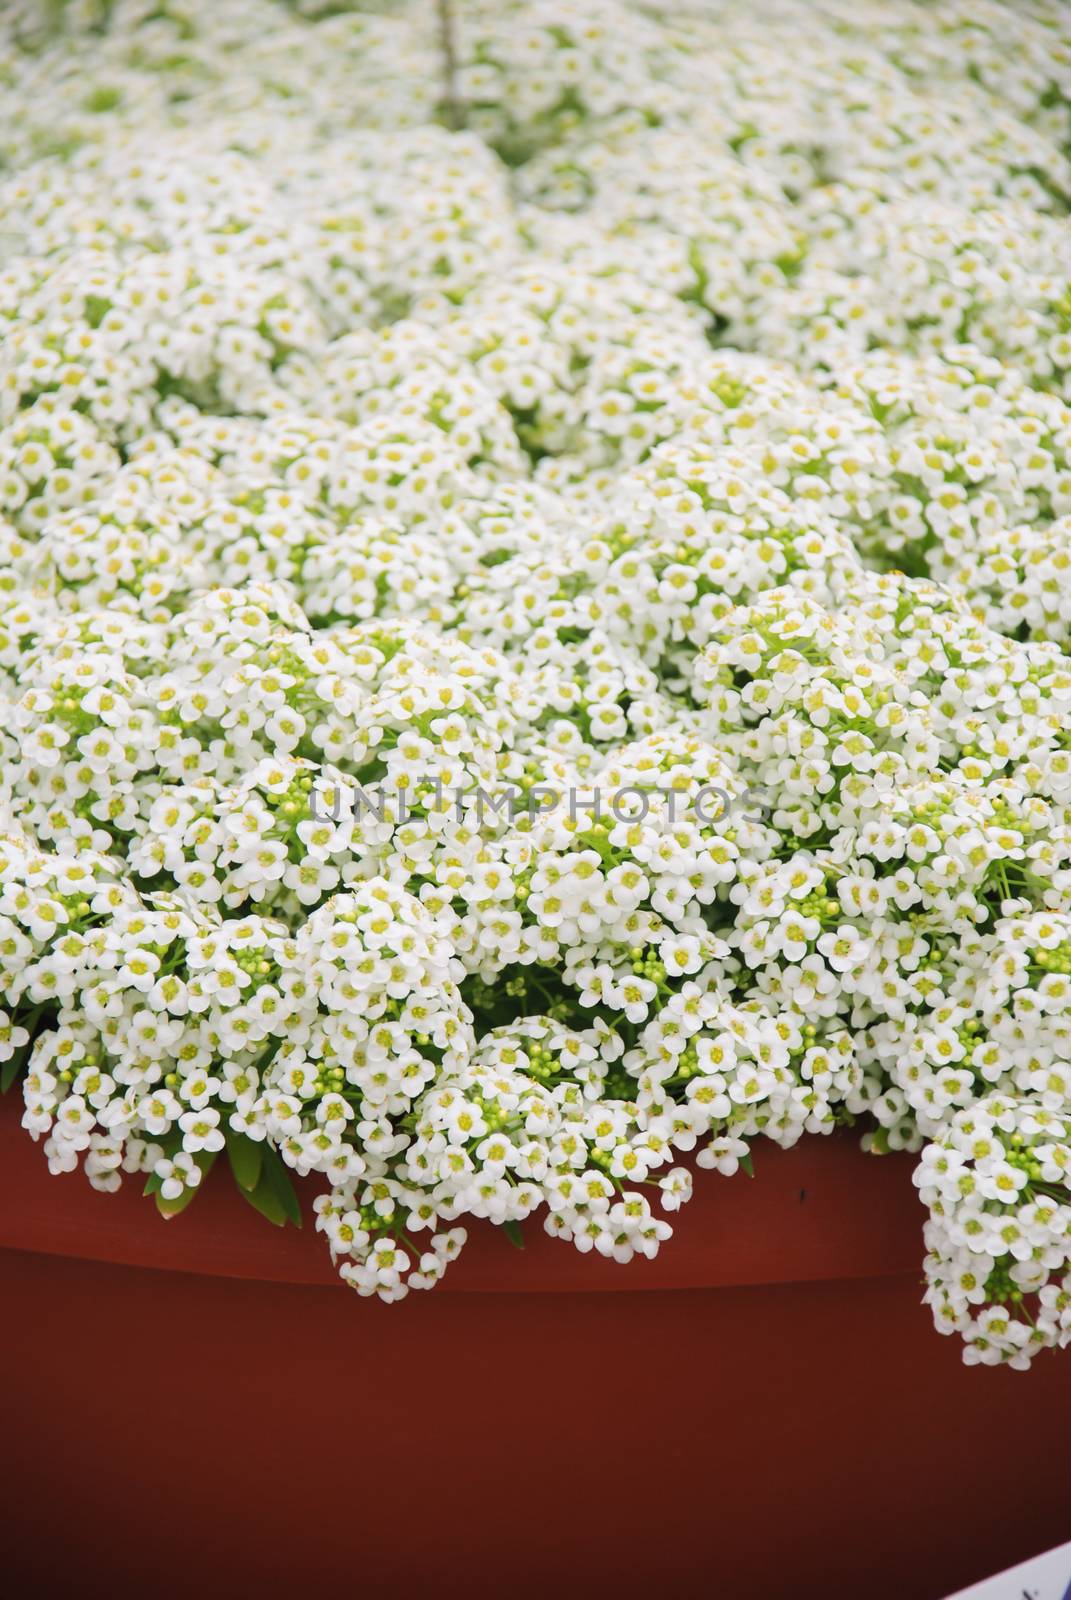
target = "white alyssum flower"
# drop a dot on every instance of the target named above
(534, 657)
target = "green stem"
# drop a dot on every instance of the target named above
(453, 110)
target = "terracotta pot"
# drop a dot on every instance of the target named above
(764, 1411)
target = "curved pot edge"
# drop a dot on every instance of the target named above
(479, 1284)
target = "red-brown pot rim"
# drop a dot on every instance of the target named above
(823, 1210)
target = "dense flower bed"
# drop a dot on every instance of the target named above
(535, 651)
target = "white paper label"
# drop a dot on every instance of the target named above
(1046, 1577)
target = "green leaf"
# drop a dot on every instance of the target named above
(513, 1233)
(244, 1155)
(274, 1195)
(174, 1208)
(279, 1178)
(12, 1067)
(263, 1200)
(745, 1162)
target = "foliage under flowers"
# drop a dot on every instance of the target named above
(697, 419)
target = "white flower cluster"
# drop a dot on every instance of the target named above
(999, 1235)
(536, 652)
